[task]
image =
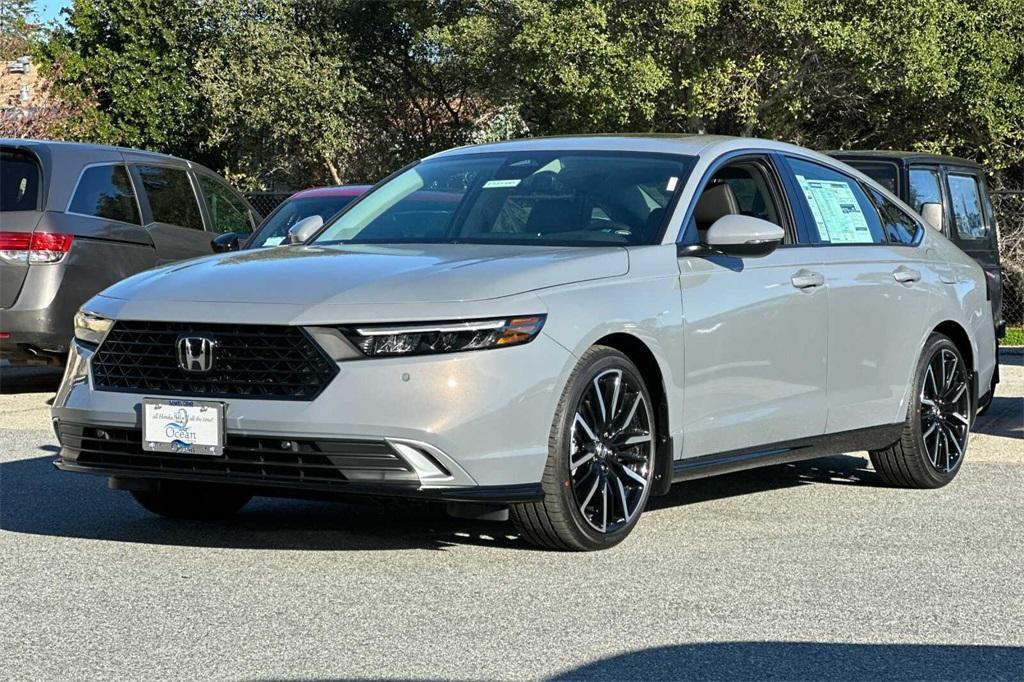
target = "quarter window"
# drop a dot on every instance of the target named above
(966, 201)
(899, 227)
(227, 212)
(841, 212)
(171, 197)
(106, 192)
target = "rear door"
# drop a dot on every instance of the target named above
(879, 293)
(20, 204)
(170, 207)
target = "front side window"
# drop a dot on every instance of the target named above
(966, 204)
(19, 182)
(841, 212)
(106, 192)
(227, 212)
(171, 197)
(899, 227)
(542, 197)
(924, 188)
(274, 231)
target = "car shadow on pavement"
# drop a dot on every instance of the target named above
(1005, 418)
(37, 499)
(807, 661)
(29, 379)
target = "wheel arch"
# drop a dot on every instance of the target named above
(960, 338)
(643, 357)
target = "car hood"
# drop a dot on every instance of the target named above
(365, 274)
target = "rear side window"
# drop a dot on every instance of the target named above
(227, 212)
(966, 204)
(19, 182)
(106, 192)
(171, 197)
(841, 212)
(899, 227)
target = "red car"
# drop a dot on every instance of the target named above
(322, 201)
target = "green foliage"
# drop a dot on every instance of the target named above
(135, 61)
(305, 91)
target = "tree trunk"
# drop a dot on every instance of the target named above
(333, 170)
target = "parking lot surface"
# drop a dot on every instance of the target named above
(800, 571)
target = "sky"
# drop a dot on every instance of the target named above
(50, 9)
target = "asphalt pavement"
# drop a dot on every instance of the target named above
(813, 570)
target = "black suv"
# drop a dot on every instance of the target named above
(75, 218)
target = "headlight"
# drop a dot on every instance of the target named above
(91, 328)
(444, 337)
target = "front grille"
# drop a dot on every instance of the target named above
(315, 463)
(250, 361)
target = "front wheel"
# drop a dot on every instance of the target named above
(187, 500)
(934, 441)
(600, 464)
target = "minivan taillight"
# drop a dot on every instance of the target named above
(34, 247)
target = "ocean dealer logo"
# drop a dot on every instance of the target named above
(195, 353)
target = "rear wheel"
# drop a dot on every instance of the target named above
(600, 464)
(934, 440)
(187, 500)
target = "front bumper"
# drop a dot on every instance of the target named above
(463, 427)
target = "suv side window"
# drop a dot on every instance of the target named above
(924, 188)
(171, 197)
(966, 206)
(840, 211)
(106, 192)
(227, 213)
(899, 227)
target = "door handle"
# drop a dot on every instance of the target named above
(804, 279)
(905, 275)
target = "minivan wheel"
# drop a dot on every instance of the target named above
(187, 500)
(600, 465)
(934, 441)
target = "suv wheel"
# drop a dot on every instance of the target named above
(187, 500)
(600, 464)
(934, 440)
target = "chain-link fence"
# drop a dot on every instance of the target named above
(1009, 210)
(265, 202)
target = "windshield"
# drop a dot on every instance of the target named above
(275, 230)
(543, 197)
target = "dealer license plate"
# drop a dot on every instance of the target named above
(193, 427)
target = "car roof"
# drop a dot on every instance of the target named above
(332, 191)
(902, 157)
(689, 145)
(84, 147)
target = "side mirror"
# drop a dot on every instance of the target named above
(304, 229)
(225, 242)
(743, 235)
(932, 213)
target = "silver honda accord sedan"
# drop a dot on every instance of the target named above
(551, 330)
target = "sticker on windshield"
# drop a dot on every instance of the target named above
(490, 184)
(273, 241)
(836, 211)
(671, 186)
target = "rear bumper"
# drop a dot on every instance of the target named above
(41, 321)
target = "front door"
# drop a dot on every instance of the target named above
(755, 329)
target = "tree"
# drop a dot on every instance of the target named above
(280, 90)
(136, 60)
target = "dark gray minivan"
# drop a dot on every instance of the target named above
(75, 218)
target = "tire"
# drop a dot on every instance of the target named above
(617, 434)
(186, 500)
(933, 444)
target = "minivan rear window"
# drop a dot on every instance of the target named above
(19, 182)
